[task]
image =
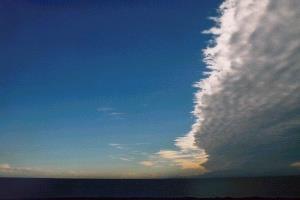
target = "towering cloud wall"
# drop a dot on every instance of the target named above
(248, 107)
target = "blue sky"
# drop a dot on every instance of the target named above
(103, 89)
(79, 76)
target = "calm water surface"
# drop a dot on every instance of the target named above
(206, 187)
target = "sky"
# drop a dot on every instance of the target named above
(149, 89)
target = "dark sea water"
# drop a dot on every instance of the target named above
(205, 187)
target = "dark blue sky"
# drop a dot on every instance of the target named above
(77, 77)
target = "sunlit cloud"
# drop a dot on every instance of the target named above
(147, 163)
(8, 170)
(296, 165)
(4, 167)
(185, 160)
(21, 171)
(247, 109)
(188, 157)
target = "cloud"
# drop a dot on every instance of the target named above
(116, 113)
(4, 167)
(128, 152)
(186, 157)
(125, 159)
(116, 145)
(248, 108)
(147, 163)
(111, 112)
(296, 164)
(184, 160)
(104, 109)
(8, 170)
(129, 146)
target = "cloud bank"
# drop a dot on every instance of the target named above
(296, 164)
(8, 170)
(247, 109)
(188, 157)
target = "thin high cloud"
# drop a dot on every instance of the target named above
(109, 111)
(247, 110)
(8, 170)
(116, 145)
(105, 109)
(127, 145)
(128, 152)
(116, 113)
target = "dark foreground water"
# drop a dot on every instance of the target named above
(208, 187)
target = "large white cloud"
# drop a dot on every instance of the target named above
(248, 108)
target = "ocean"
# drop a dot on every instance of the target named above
(201, 187)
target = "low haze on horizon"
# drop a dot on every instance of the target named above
(149, 89)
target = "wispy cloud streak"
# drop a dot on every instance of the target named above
(109, 111)
(8, 170)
